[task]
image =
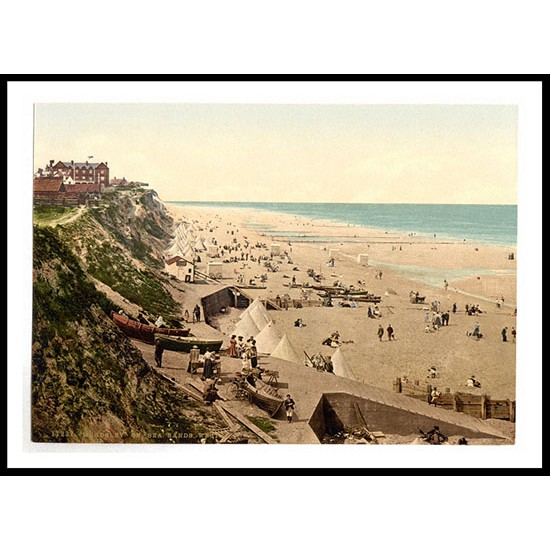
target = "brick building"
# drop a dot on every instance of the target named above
(52, 190)
(88, 177)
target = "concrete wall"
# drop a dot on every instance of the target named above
(324, 419)
(379, 417)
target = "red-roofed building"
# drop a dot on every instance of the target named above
(52, 190)
(84, 173)
(118, 181)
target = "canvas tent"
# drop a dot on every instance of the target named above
(246, 327)
(267, 339)
(260, 316)
(256, 303)
(286, 351)
(340, 366)
(257, 311)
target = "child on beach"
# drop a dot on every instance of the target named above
(289, 407)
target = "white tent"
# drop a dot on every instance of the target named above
(253, 305)
(259, 317)
(284, 350)
(258, 312)
(267, 339)
(340, 366)
(246, 327)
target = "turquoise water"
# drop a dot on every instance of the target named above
(485, 224)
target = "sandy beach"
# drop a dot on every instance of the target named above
(475, 273)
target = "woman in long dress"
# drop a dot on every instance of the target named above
(232, 350)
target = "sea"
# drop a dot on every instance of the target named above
(484, 224)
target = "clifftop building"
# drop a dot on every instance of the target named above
(93, 175)
(70, 182)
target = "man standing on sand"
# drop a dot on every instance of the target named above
(503, 332)
(514, 333)
(197, 314)
(289, 407)
(158, 353)
(380, 332)
(389, 330)
(253, 354)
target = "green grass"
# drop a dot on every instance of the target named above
(109, 262)
(46, 214)
(265, 424)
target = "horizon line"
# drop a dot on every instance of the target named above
(332, 202)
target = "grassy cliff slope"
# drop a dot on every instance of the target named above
(89, 383)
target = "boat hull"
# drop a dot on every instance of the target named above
(145, 333)
(179, 343)
(269, 403)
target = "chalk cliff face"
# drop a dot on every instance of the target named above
(89, 383)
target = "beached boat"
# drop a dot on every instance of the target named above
(172, 331)
(143, 332)
(339, 290)
(264, 396)
(251, 287)
(355, 298)
(182, 343)
(370, 298)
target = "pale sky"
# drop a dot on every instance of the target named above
(293, 153)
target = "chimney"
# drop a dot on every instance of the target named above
(86, 161)
(106, 164)
(51, 162)
(72, 162)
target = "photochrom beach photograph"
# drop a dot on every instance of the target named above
(274, 273)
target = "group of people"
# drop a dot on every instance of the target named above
(282, 302)
(239, 349)
(322, 364)
(504, 334)
(438, 320)
(389, 331)
(196, 314)
(472, 309)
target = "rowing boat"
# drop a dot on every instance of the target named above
(181, 343)
(251, 287)
(264, 396)
(143, 332)
(339, 290)
(355, 298)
